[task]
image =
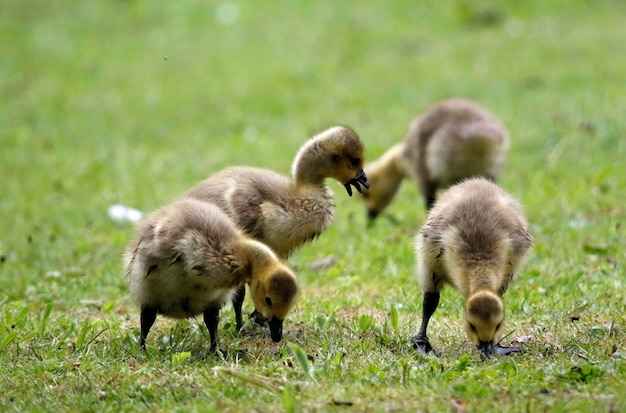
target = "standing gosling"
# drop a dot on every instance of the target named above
(189, 258)
(475, 238)
(281, 212)
(454, 140)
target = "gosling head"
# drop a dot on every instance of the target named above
(383, 188)
(274, 295)
(385, 175)
(335, 153)
(484, 320)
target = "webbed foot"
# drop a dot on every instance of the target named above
(421, 344)
(503, 350)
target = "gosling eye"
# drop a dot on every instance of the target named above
(472, 327)
(355, 161)
(268, 301)
(498, 326)
(336, 158)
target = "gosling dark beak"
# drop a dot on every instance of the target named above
(361, 179)
(486, 347)
(371, 214)
(276, 329)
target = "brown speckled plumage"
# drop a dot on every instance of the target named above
(281, 212)
(286, 213)
(268, 207)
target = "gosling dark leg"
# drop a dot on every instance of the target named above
(238, 305)
(430, 192)
(430, 201)
(147, 318)
(420, 341)
(371, 216)
(211, 319)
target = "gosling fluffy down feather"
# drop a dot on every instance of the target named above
(475, 239)
(285, 213)
(454, 140)
(189, 258)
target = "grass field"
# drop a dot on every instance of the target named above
(133, 102)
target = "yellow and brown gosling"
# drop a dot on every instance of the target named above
(454, 140)
(281, 212)
(475, 239)
(189, 258)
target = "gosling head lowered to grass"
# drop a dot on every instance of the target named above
(475, 239)
(484, 319)
(385, 176)
(274, 292)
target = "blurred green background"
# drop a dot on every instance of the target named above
(133, 101)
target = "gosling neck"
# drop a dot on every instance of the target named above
(392, 163)
(309, 165)
(259, 256)
(482, 279)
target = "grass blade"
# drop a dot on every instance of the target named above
(289, 400)
(7, 340)
(302, 359)
(257, 381)
(44, 319)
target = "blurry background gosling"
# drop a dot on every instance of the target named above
(454, 140)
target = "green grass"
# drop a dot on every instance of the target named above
(133, 102)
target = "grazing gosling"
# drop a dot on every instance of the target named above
(475, 239)
(285, 213)
(189, 258)
(454, 140)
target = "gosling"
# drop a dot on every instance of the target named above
(189, 258)
(285, 213)
(454, 140)
(475, 239)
